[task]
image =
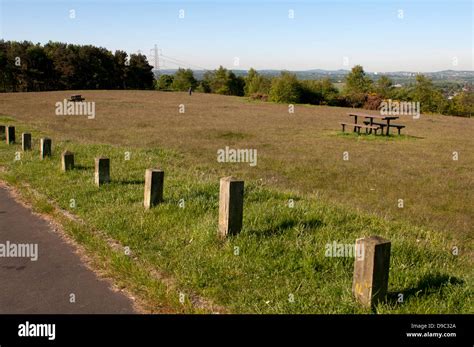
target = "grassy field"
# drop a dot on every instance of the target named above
(281, 251)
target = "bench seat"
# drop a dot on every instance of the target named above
(76, 98)
(357, 127)
(383, 125)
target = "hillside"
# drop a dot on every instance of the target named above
(279, 262)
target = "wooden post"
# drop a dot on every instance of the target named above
(26, 141)
(154, 179)
(45, 148)
(102, 171)
(67, 161)
(231, 206)
(371, 270)
(10, 134)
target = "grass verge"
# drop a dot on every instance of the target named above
(277, 264)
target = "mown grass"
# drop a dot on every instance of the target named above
(301, 151)
(280, 253)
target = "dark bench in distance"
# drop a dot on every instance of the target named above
(76, 97)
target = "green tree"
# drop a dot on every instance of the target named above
(358, 85)
(164, 82)
(311, 92)
(329, 92)
(251, 75)
(40, 69)
(25, 66)
(183, 80)
(139, 75)
(120, 69)
(235, 84)
(430, 99)
(384, 86)
(256, 83)
(204, 86)
(357, 81)
(219, 81)
(223, 81)
(285, 88)
(462, 104)
(319, 92)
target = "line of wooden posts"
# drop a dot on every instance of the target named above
(371, 271)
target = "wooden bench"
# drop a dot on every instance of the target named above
(359, 126)
(398, 126)
(382, 125)
(76, 97)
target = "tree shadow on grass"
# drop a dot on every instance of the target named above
(428, 285)
(287, 225)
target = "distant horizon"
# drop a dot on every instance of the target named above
(325, 70)
(385, 36)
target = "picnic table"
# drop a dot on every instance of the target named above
(370, 124)
(76, 97)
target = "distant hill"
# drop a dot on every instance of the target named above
(402, 77)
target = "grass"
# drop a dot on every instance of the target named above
(279, 254)
(302, 152)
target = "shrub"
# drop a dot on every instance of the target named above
(164, 82)
(183, 80)
(311, 92)
(355, 99)
(373, 101)
(285, 88)
(259, 96)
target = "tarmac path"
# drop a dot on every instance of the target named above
(57, 277)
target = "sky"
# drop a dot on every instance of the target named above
(382, 36)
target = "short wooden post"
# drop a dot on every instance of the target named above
(102, 170)
(2, 132)
(371, 270)
(67, 161)
(10, 134)
(231, 206)
(45, 148)
(154, 179)
(26, 141)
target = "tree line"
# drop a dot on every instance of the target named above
(359, 91)
(27, 67)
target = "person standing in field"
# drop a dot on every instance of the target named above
(190, 90)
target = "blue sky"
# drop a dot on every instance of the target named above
(429, 36)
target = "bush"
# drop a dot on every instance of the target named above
(355, 99)
(183, 80)
(311, 92)
(285, 88)
(164, 82)
(373, 101)
(259, 96)
(256, 83)
(462, 105)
